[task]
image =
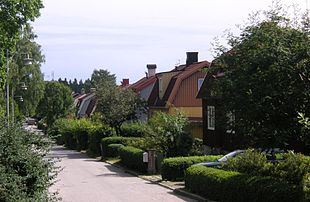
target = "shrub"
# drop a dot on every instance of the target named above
(132, 129)
(132, 158)
(24, 171)
(127, 141)
(95, 134)
(113, 150)
(221, 185)
(197, 148)
(250, 162)
(174, 168)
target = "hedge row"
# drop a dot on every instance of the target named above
(132, 158)
(132, 129)
(113, 150)
(127, 141)
(174, 168)
(220, 185)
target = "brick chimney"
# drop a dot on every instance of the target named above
(191, 57)
(125, 82)
(151, 69)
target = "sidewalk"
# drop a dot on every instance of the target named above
(177, 187)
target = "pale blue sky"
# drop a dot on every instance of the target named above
(123, 36)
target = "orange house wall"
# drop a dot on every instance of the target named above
(186, 95)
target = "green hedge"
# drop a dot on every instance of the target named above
(113, 150)
(127, 141)
(174, 168)
(132, 158)
(95, 134)
(132, 130)
(220, 185)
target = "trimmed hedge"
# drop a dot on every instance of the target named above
(132, 158)
(95, 134)
(174, 168)
(132, 130)
(113, 150)
(220, 185)
(127, 141)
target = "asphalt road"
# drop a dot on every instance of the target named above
(84, 179)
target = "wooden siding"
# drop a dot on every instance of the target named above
(186, 96)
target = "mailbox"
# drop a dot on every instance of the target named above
(145, 157)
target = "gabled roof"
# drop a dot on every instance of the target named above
(143, 83)
(176, 81)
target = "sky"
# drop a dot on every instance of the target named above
(123, 36)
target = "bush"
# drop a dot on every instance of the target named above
(197, 148)
(220, 185)
(95, 134)
(250, 162)
(127, 141)
(132, 129)
(24, 171)
(113, 150)
(174, 168)
(132, 157)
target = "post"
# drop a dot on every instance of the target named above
(12, 96)
(151, 166)
(7, 90)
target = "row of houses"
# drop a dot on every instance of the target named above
(184, 87)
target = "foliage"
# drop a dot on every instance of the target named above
(305, 132)
(250, 162)
(174, 168)
(113, 150)
(127, 141)
(95, 134)
(197, 148)
(166, 133)
(266, 80)
(30, 75)
(117, 105)
(13, 16)
(220, 185)
(24, 170)
(56, 102)
(132, 129)
(132, 157)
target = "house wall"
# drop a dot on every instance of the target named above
(145, 93)
(195, 112)
(186, 95)
(164, 79)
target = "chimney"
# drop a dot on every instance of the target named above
(125, 82)
(191, 58)
(151, 69)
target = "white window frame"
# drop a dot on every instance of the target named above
(211, 117)
(199, 83)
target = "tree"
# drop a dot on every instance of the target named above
(267, 80)
(13, 16)
(29, 75)
(166, 133)
(102, 78)
(117, 105)
(56, 102)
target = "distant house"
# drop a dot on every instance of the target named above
(177, 89)
(217, 133)
(86, 105)
(144, 87)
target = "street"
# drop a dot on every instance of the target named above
(85, 179)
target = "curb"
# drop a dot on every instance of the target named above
(179, 191)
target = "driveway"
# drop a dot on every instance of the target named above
(84, 179)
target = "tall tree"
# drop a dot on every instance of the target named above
(56, 103)
(267, 80)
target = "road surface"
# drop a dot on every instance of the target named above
(84, 179)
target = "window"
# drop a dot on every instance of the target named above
(200, 81)
(160, 85)
(211, 117)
